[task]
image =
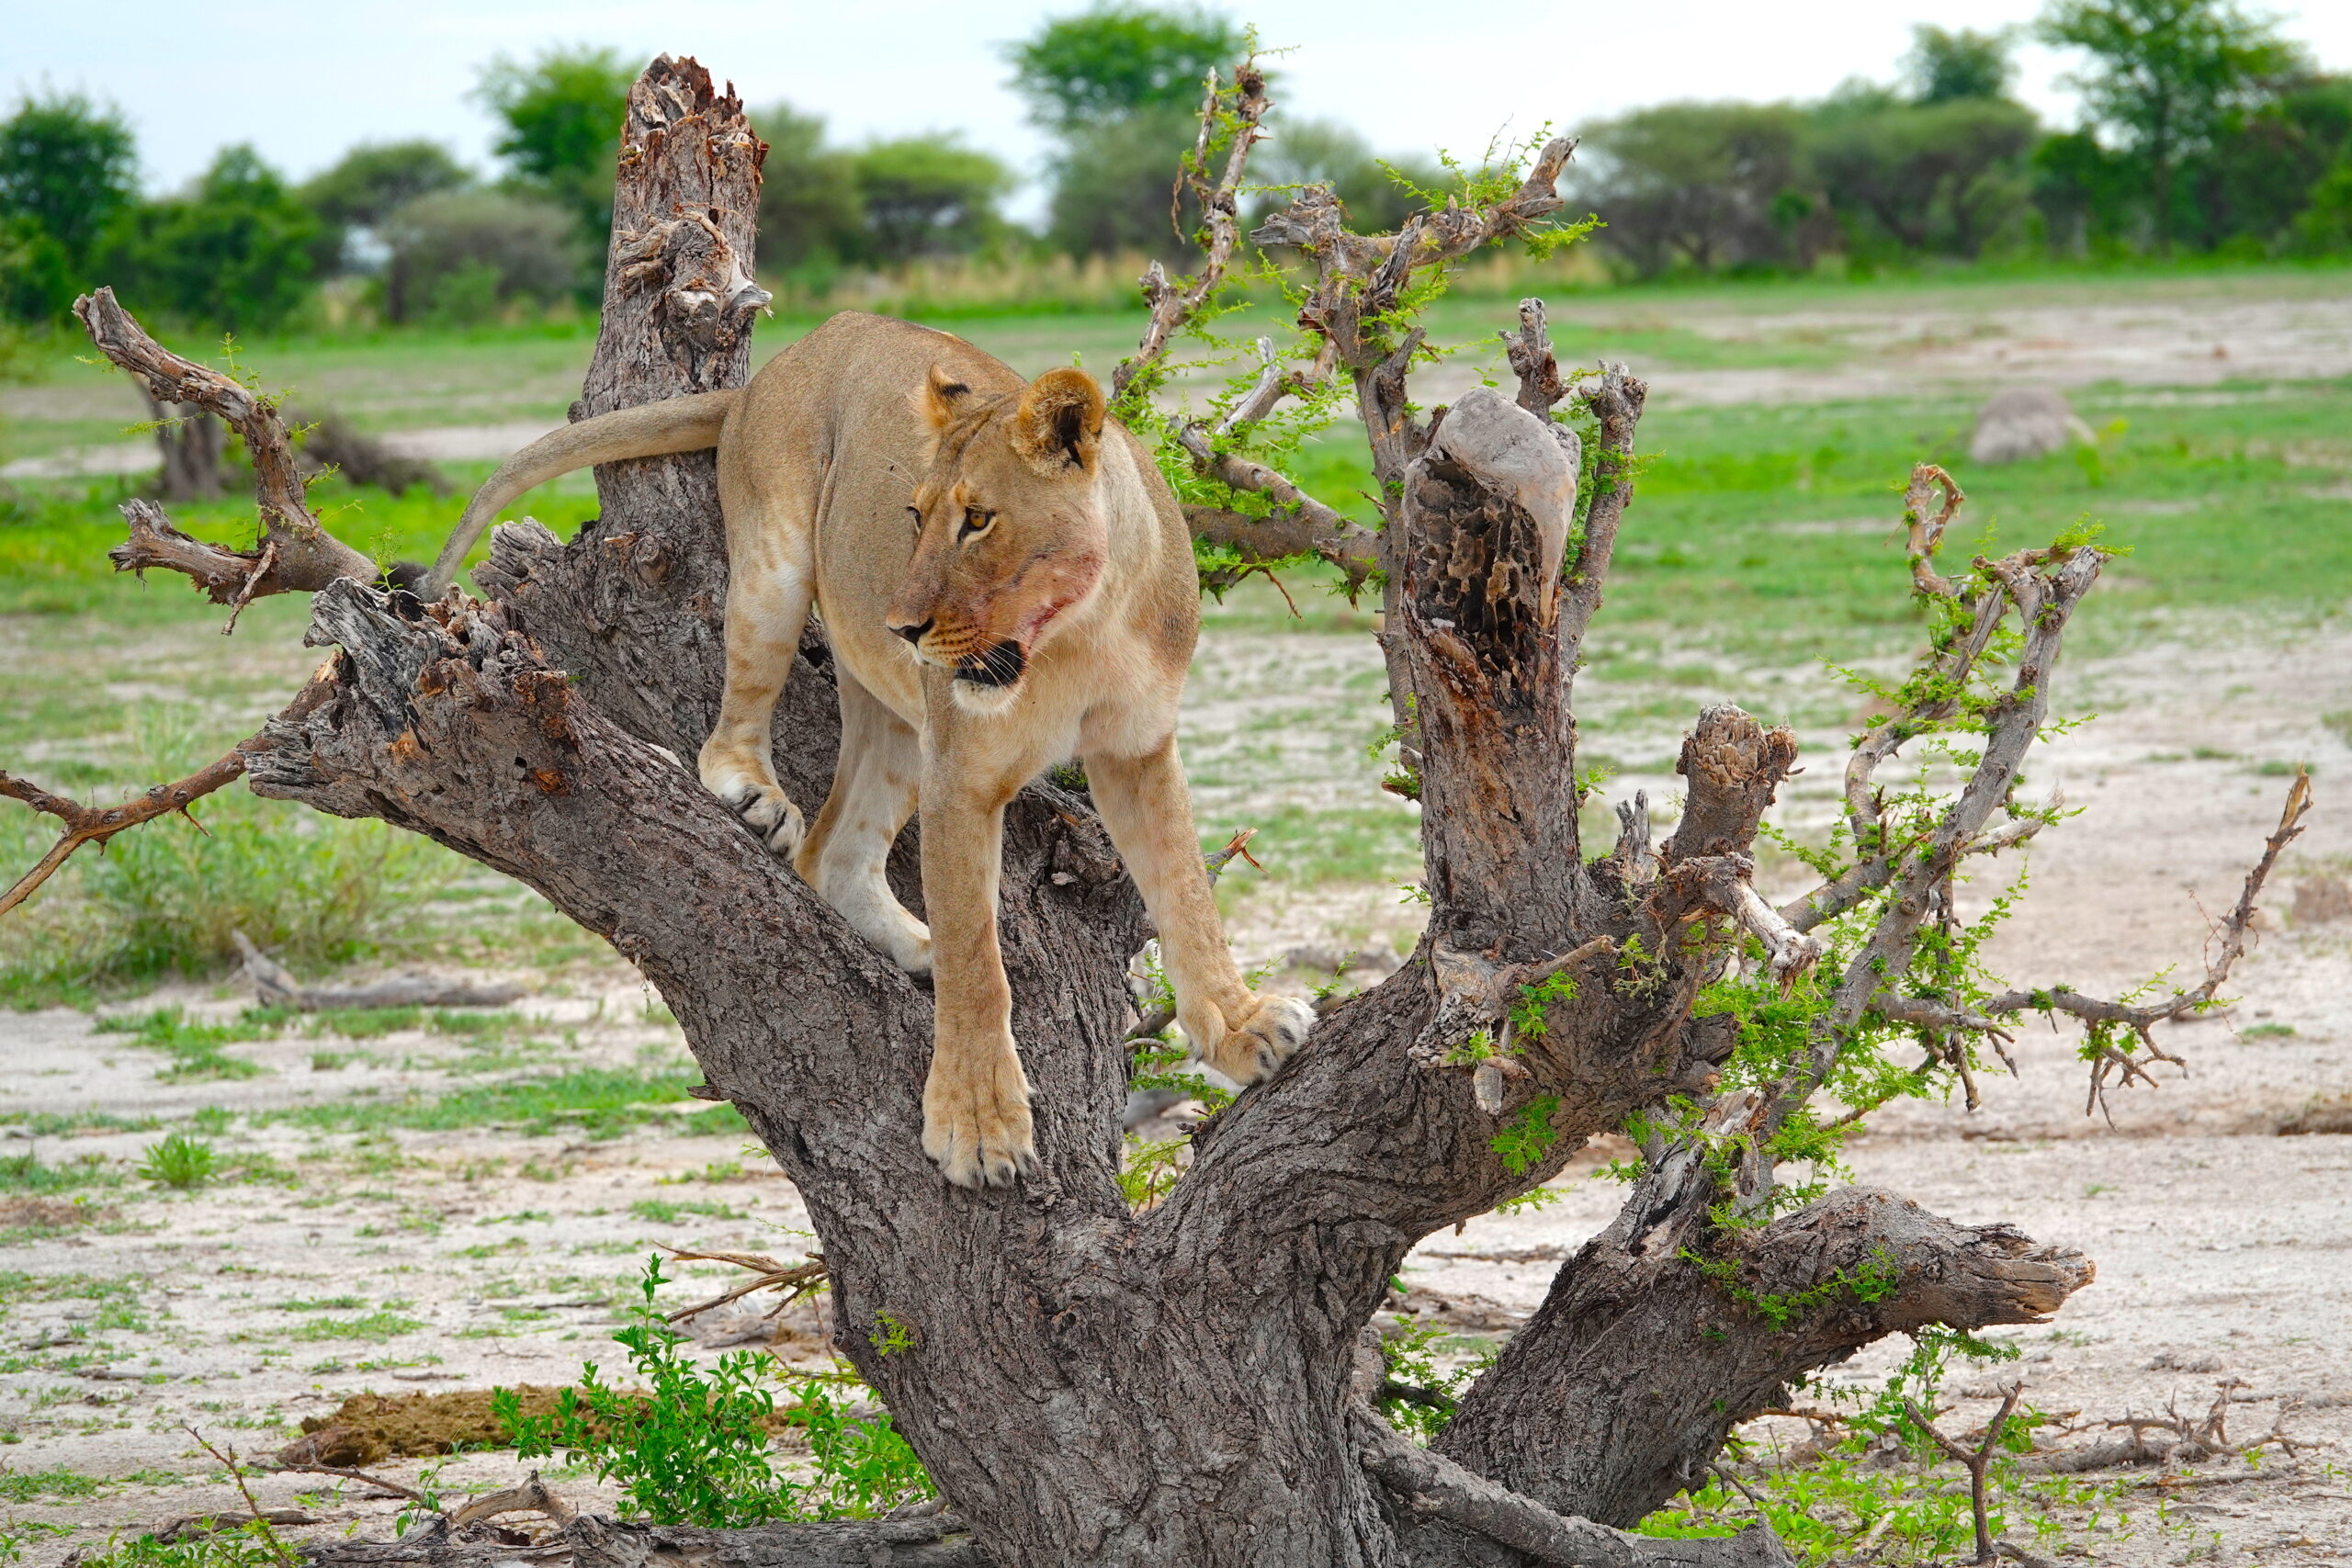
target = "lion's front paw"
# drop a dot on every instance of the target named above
(765, 809)
(1261, 1037)
(975, 1118)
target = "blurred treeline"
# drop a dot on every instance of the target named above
(2206, 132)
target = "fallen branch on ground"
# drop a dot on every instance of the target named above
(275, 986)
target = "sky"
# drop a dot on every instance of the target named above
(304, 80)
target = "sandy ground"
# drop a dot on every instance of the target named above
(483, 1256)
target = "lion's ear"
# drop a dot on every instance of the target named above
(1060, 422)
(942, 399)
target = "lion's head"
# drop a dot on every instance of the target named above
(1010, 533)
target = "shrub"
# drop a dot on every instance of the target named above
(691, 1447)
(463, 256)
(366, 186)
(179, 1162)
(67, 170)
(2324, 226)
(927, 196)
(233, 252)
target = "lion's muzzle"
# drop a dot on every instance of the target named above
(998, 664)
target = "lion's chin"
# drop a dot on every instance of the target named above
(985, 701)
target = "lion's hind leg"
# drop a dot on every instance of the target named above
(874, 792)
(770, 586)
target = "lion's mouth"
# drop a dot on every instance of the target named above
(998, 664)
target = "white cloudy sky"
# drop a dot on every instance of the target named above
(304, 79)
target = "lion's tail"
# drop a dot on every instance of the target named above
(650, 430)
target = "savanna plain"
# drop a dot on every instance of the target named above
(220, 1215)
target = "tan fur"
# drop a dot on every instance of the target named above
(1007, 582)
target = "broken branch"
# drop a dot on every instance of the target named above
(296, 554)
(94, 825)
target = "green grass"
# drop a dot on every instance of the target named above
(180, 1162)
(25, 1174)
(195, 1048)
(670, 1211)
(33, 1486)
(592, 1102)
(370, 1328)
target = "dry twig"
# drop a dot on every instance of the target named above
(96, 825)
(350, 1472)
(228, 1462)
(793, 1281)
(1975, 1463)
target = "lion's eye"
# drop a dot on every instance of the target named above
(975, 523)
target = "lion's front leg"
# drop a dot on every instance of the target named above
(1244, 1034)
(976, 1098)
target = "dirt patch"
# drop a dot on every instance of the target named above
(369, 1426)
(49, 1214)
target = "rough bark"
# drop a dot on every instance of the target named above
(633, 605)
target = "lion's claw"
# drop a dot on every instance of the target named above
(768, 812)
(1261, 1038)
(976, 1123)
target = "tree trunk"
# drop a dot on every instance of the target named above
(1184, 1386)
(191, 441)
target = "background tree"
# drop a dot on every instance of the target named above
(811, 211)
(563, 126)
(1118, 85)
(1945, 175)
(233, 251)
(1116, 60)
(457, 258)
(353, 195)
(1700, 186)
(2165, 77)
(926, 195)
(68, 168)
(1960, 63)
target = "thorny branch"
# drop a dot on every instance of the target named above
(1172, 306)
(1299, 523)
(96, 825)
(2226, 945)
(296, 553)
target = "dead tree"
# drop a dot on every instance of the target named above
(1192, 1384)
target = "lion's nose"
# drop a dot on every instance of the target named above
(913, 634)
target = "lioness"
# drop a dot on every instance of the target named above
(1030, 598)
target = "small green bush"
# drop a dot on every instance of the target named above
(179, 1162)
(168, 898)
(691, 1447)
